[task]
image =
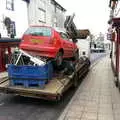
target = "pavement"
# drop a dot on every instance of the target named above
(97, 98)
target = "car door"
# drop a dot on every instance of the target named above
(67, 45)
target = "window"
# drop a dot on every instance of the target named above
(55, 22)
(42, 31)
(42, 14)
(10, 4)
(13, 28)
(28, 1)
(42, 3)
(58, 9)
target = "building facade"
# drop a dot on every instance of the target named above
(46, 12)
(114, 31)
(17, 15)
(13, 17)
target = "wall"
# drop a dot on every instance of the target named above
(52, 17)
(21, 17)
(18, 15)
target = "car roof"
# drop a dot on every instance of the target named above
(55, 28)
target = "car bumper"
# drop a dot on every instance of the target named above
(41, 51)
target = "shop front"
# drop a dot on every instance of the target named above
(6, 47)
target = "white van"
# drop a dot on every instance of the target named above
(84, 47)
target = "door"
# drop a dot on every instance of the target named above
(67, 45)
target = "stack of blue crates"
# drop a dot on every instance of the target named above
(30, 76)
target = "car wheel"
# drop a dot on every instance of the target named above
(59, 58)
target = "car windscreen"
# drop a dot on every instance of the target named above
(39, 31)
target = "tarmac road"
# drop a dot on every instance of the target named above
(23, 108)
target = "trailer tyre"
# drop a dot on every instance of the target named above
(75, 80)
(59, 98)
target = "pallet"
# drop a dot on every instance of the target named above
(28, 83)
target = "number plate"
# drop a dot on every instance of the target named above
(37, 41)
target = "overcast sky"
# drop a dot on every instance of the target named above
(90, 14)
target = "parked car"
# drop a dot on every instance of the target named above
(49, 42)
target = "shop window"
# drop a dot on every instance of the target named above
(10, 4)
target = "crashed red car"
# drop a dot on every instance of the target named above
(49, 42)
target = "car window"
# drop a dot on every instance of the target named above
(41, 31)
(64, 36)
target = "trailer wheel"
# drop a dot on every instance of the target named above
(58, 98)
(75, 80)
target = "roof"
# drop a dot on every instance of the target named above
(56, 3)
(6, 40)
(60, 29)
(83, 34)
(9, 42)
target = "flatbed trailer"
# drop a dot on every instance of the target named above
(54, 89)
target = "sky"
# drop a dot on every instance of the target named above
(89, 14)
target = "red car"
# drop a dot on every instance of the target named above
(49, 42)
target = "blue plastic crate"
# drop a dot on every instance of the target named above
(30, 75)
(38, 72)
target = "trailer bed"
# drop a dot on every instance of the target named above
(52, 90)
